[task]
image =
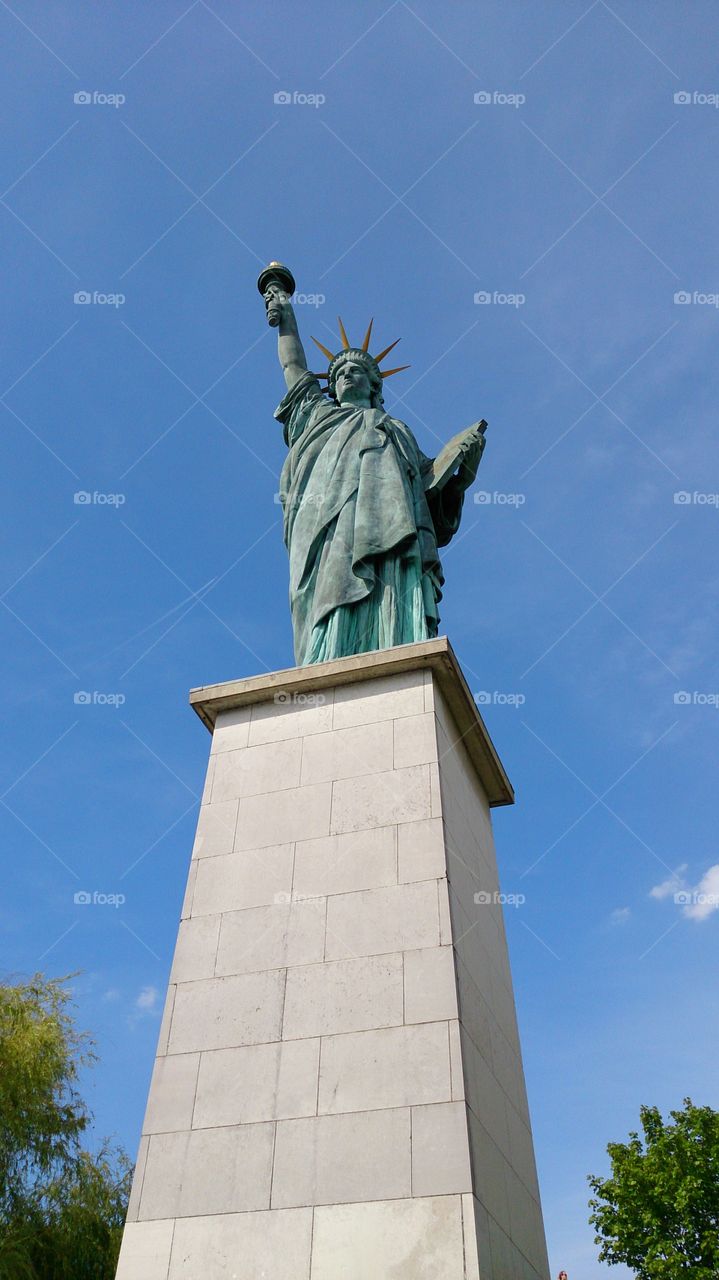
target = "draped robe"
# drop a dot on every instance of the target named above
(361, 531)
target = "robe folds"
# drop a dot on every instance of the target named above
(361, 531)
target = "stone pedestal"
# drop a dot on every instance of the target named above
(338, 1092)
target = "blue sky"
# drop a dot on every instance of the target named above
(580, 199)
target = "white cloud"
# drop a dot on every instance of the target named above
(111, 995)
(620, 915)
(697, 902)
(705, 897)
(147, 1000)
(669, 887)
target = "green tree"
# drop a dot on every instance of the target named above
(61, 1208)
(658, 1212)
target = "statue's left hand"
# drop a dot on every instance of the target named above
(469, 465)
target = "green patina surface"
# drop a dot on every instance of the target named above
(365, 510)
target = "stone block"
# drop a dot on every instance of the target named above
(238, 881)
(455, 1062)
(250, 1246)
(215, 829)
(297, 813)
(208, 1171)
(172, 1093)
(430, 994)
(145, 1251)
(418, 1239)
(342, 864)
(421, 853)
(256, 770)
(395, 1067)
(343, 995)
(385, 698)
(257, 1082)
(336, 1159)
(133, 1207)
(221, 1013)
(381, 799)
(196, 949)
(277, 720)
(374, 921)
(347, 753)
(232, 730)
(440, 1150)
(415, 740)
(272, 937)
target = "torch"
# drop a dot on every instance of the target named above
(280, 280)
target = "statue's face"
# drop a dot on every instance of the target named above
(352, 385)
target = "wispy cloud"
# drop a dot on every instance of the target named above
(620, 915)
(697, 902)
(147, 1001)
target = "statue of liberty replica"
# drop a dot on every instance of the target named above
(365, 510)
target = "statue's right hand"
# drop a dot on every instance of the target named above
(277, 304)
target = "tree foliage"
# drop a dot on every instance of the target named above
(658, 1212)
(61, 1208)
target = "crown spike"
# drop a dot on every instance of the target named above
(388, 372)
(365, 343)
(387, 350)
(325, 350)
(343, 335)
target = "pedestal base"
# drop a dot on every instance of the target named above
(338, 1091)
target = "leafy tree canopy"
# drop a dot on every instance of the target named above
(61, 1208)
(658, 1212)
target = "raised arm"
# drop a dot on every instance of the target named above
(281, 315)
